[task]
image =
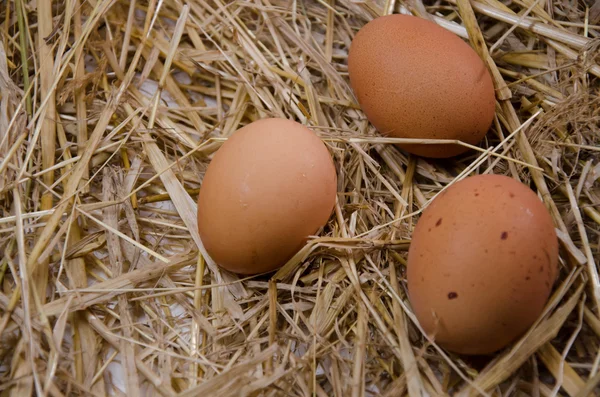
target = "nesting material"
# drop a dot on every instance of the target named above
(110, 112)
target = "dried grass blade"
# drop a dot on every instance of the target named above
(592, 269)
(478, 43)
(574, 40)
(551, 358)
(409, 363)
(163, 388)
(115, 286)
(215, 384)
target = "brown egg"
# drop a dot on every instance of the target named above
(270, 186)
(481, 264)
(414, 79)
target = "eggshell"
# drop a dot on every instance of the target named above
(270, 186)
(414, 79)
(481, 264)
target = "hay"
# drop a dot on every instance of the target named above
(109, 113)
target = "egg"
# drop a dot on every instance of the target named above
(415, 79)
(481, 264)
(269, 187)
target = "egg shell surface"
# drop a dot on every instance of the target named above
(481, 264)
(415, 79)
(271, 185)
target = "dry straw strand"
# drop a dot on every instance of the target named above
(110, 112)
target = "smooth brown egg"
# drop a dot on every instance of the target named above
(271, 185)
(481, 264)
(415, 79)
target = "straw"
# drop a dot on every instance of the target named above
(110, 113)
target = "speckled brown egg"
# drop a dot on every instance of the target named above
(270, 186)
(481, 264)
(415, 79)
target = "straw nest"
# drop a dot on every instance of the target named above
(110, 111)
